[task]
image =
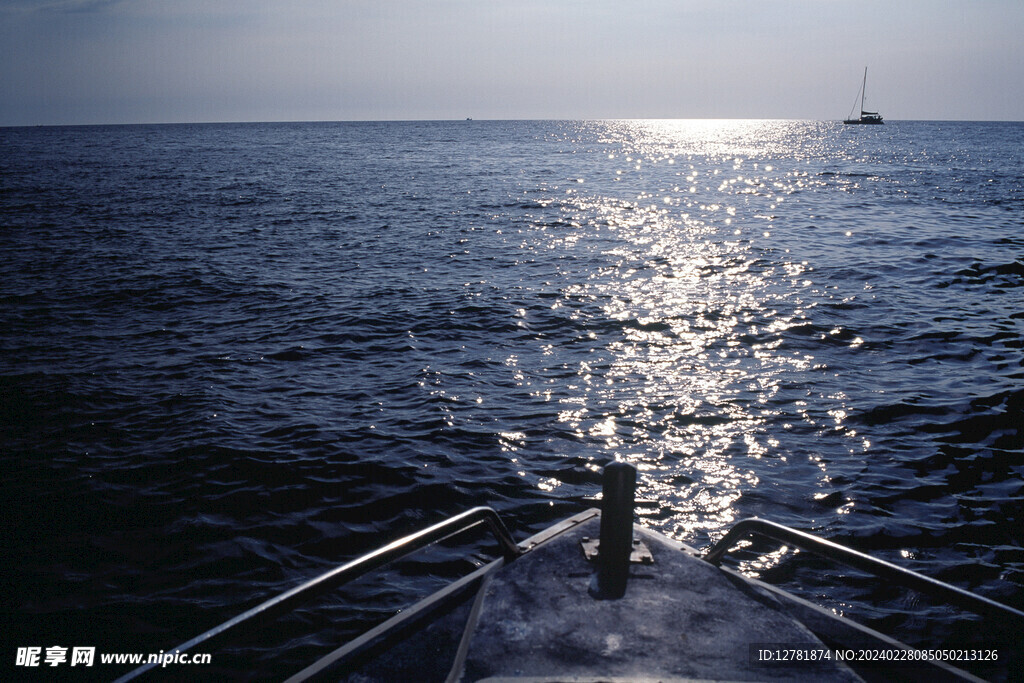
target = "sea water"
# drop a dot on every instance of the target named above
(233, 356)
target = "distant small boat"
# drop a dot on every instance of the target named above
(866, 117)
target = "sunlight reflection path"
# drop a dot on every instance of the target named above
(700, 297)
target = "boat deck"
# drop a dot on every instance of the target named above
(681, 618)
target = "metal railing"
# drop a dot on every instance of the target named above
(341, 575)
(866, 563)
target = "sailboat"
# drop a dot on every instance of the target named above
(866, 117)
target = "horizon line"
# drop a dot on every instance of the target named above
(470, 120)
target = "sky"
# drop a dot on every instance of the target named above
(162, 61)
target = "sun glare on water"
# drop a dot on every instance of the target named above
(700, 297)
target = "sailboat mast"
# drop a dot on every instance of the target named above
(863, 87)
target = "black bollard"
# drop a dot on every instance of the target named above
(616, 545)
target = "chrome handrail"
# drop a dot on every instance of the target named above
(866, 563)
(352, 570)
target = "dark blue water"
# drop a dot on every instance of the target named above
(232, 356)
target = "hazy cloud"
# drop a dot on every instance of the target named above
(59, 6)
